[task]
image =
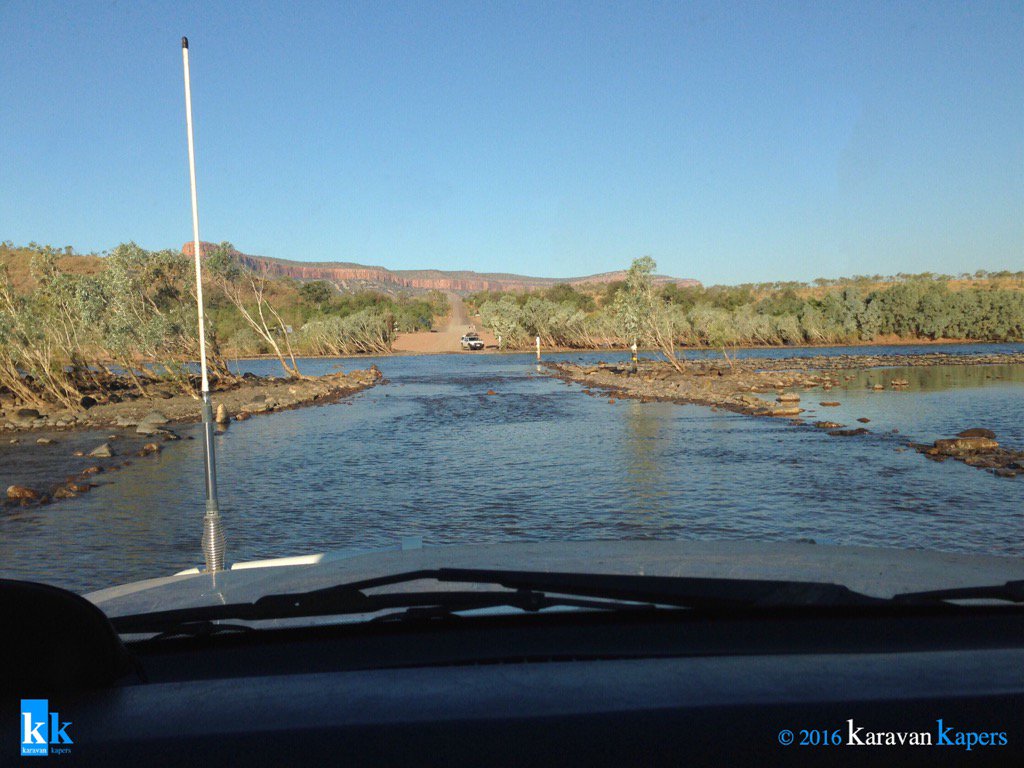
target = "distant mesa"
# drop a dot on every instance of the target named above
(348, 276)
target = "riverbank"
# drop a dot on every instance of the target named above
(59, 454)
(741, 386)
(423, 343)
(246, 396)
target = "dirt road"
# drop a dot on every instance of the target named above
(446, 337)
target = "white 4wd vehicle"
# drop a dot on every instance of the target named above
(472, 341)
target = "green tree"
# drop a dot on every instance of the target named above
(317, 293)
(714, 327)
(644, 317)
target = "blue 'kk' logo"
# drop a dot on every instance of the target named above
(40, 728)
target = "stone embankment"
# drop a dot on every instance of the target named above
(775, 387)
(251, 394)
(139, 426)
(736, 388)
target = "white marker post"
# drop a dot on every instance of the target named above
(213, 533)
(538, 348)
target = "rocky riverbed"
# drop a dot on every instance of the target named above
(59, 454)
(777, 387)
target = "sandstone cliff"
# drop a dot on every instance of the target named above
(343, 274)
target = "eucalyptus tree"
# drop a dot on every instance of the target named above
(368, 331)
(633, 305)
(644, 316)
(504, 318)
(714, 327)
(74, 304)
(247, 291)
(148, 324)
(31, 357)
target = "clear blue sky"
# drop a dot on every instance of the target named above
(731, 142)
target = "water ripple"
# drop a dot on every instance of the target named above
(432, 454)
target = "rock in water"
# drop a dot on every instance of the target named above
(960, 445)
(154, 417)
(222, 416)
(101, 452)
(22, 493)
(829, 404)
(751, 400)
(849, 432)
(258, 404)
(24, 417)
(781, 410)
(977, 432)
(788, 397)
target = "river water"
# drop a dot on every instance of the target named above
(431, 454)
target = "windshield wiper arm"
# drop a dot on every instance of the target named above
(1011, 592)
(531, 590)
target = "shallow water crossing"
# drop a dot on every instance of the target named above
(432, 454)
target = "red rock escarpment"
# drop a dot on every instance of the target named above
(427, 279)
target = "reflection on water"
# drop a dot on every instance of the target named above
(645, 466)
(432, 454)
(937, 377)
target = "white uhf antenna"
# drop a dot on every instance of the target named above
(213, 533)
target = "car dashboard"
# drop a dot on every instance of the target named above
(570, 688)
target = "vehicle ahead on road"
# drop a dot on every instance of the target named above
(471, 341)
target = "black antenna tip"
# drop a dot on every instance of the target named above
(184, 42)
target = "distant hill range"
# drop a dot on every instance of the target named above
(347, 276)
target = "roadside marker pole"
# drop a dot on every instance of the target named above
(538, 348)
(213, 533)
(634, 357)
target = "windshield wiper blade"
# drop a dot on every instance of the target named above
(679, 591)
(522, 599)
(530, 590)
(1010, 592)
(198, 629)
